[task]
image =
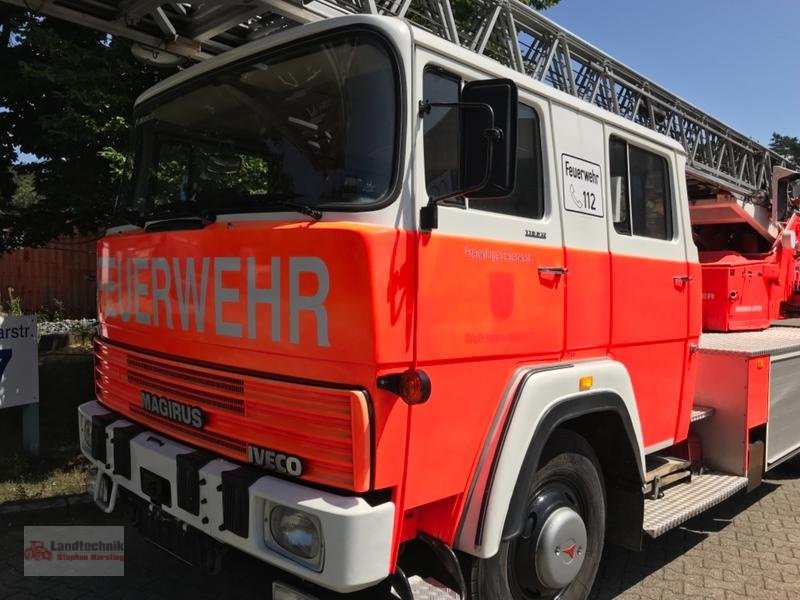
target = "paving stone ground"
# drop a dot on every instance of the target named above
(748, 547)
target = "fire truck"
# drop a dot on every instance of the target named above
(404, 307)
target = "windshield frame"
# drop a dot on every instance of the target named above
(292, 48)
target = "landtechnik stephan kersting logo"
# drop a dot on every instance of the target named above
(76, 551)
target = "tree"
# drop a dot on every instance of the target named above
(67, 97)
(786, 146)
(25, 194)
(541, 4)
(464, 10)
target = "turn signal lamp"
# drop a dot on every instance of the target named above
(585, 383)
(413, 386)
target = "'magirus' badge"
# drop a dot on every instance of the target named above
(173, 410)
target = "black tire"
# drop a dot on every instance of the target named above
(570, 462)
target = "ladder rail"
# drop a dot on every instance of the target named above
(506, 30)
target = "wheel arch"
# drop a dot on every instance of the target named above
(543, 400)
(602, 420)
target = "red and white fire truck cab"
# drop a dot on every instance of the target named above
(383, 313)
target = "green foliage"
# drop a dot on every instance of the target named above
(14, 304)
(786, 146)
(67, 94)
(58, 310)
(25, 194)
(119, 162)
(541, 4)
(172, 178)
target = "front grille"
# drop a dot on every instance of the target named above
(215, 439)
(221, 382)
(328, 429)
(174, 390)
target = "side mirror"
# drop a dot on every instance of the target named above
(493, 165)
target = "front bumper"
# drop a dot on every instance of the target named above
(357, 537)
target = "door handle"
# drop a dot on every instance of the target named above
(553, 271)
(682, 279)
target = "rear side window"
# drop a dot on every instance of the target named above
(640, 191)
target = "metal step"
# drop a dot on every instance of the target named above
(661, 466)
(430, 589)
(663, 471)
(682, 502)
(700, 413)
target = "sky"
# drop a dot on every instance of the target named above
(737, 60)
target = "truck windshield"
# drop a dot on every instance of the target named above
(314, 125)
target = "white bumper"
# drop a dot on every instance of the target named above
(357, 537)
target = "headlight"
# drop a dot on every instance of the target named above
(85, 431)
(295, 531)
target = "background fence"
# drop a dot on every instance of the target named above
(64, 271)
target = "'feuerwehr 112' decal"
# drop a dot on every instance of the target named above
(582, 186)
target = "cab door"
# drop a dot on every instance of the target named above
(490, 294)
(650, 280)
(502, 259)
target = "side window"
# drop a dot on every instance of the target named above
(620, 203)
(528, 197)
(640, 193)
(441, 133)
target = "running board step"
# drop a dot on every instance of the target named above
(699, 413)
(431, 589)
(663, 471)
(682, 502)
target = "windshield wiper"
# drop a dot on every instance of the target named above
(303, 209)
(287, 201)
(182, 222)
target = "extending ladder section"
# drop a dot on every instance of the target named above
(506, 30)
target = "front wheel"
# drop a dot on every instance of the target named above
(558, 553)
